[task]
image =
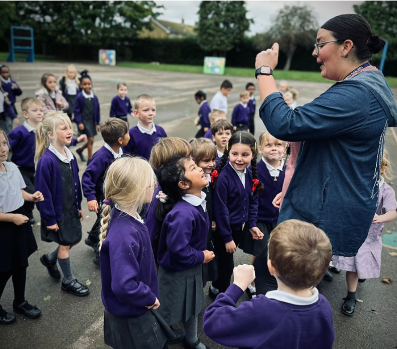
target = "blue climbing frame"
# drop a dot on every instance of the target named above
(21, 43)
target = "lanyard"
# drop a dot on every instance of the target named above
(361, 67)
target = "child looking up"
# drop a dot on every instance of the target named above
(69, 86)
(240, 119)
(221, 132)
(121, 104)
(128, 270)
(204, 111)
(17, 241)
(289, 99)
(146, 134)
(219, 101)
(214, 116)
(87, 114)
(22, 140)
(115, 134)
(250, 87)
(50, 96)
(283, 86)
(61, 215)
(294, 316)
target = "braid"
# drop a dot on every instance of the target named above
(104, 223)
(222, 164)
(254, 171)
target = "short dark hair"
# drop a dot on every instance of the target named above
(357, 29)
(121, 84)
(113, 129)
(226, 84)
(249, 85)
(200, 94)
(202, 149)
(221, 125)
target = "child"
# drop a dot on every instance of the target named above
(283, 86)
(69, 85)
(61, 215)
(121, 104)
(294, 316)
(366, 264)
(115, 134)
(235, 203)
(204, 111)
(7, 114)
(289, 99)
(204, 155)
(214, 116)
(221, 132)
(271, 174)
(240, 119)
(23, 145)
(146, 134)
(219, 101)
(17, 241)
(128, 270)
(50, 96)
(183, 227)
(11, 88)
(250, 87)
(87, 114)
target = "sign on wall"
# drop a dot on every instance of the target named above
(107, 57)
(214, 65)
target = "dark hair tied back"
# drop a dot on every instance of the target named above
(84, 75)
(375, 44)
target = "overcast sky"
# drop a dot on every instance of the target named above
(261, 12)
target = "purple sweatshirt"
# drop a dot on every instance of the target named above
(208, 134)
(269, 321)
(240, 115)
(251, 106)
(49, 182)
(79, 107)
(234, 204)
(12, 92)
(183, 237)
(150, 218)
(128, 270)
(120, 107)
(23, 146)
(203, 113)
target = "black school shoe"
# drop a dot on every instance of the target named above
(75, 288)
(187, 345)
(334, 270)
(97, 260)
(51, 267)
(212, 294)
(348, 306)
(361, 280)
(27, 310)
(179, 336)
(91, 243)
(82, 157)
(328, 276)
(6, 318)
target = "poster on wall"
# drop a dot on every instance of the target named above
(214, 65)
(107, 57)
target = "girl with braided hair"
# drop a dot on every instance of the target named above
(235, 203)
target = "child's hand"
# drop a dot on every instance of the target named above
(16, 121)
(256, 233)
(98, 129)
(230, 247)
(19, 219)
(53, 227)
(208, 256)
(81, 215)
(243, 275)
(81, 138)
(81, 127)
(205, 129)
(15, 86)
(154, 306)
(277, 200)
(37, 196)
(234, 128)
(93, 206)
(213, 225)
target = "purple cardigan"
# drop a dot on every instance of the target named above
(12, 92)
(240, 115)
(128, 270)
(234, 204)
(49, 182)
(183, 237)
(251, 106)
(150, 217)
(208, 134)
(263, 323)
(203, 113)
(79, 107)
(120, 107)
(23, 146)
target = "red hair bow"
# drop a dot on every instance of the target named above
(255, 183)
(214, 174)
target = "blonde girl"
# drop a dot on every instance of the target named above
(128, 270)
(49, 94)
(69, 86)
(57, 177)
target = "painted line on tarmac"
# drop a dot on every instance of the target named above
(388, 246)
(86, 340)
(394, 133)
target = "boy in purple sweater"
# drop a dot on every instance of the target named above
(115, 134)
(240, 118)
(295, 316)
(121, 104)
(146, 134)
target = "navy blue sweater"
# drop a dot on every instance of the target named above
(240, 115)
(251, 106)
(203, 113)
(120, 107)
(12, 92)
(23, 146)
(79, 107)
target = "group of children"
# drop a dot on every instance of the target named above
(158, 242)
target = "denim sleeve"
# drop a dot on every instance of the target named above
(339, 110)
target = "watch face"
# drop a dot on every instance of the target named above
(265, 70)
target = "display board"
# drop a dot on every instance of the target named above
(107, 57)
(214, 65)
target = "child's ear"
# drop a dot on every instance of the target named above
(213, 138)
(25, 114)
(183, 185)
(120, 140)
(272, 270)
(260, 150)
(135, 112)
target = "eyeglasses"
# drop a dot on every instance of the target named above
(318, 45)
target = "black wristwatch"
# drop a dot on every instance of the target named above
(263, 70)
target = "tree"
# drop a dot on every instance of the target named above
(294, 25)
(9, 18)
(221, 25)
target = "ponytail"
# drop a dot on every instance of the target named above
(104, 223)
(260, 187)
(221, 165)
(42, 142)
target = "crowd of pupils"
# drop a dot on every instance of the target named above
(158, 243)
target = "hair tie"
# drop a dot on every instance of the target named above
(255, 183)
(255, 146)
(162, 197)
(107, 202)
(227, 146)
(214, 174)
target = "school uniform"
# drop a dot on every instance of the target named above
(13, 93)
(93, 181)
(251, 113)
(87, 112)
(208, 134)
(69, 93)
(180, 256)
(234, 205)
(129, 284)
(7, 113)
(143, 140)
(277, 320)
(49, 100)
(240, 117)
(218, 158)
(120, 108)
(204, 119)
(150, 217)
(58, 179)
(219, 102)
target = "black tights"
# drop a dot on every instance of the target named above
(18, 275)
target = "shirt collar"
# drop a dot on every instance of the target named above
(208, 176)
(219, 153)
(53, 94)
(7, 81)
(292, 299)
(244, 105)
(196, 201)
(145, 130)
(204, 101)
(274, 171)
(252, 97)
(28, 127)
(137, 217)
(238, 172)
(115, 155)
(61, 157)
(91, 95)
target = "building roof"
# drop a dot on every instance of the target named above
(173, 28)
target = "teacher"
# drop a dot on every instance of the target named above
(342, 133)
